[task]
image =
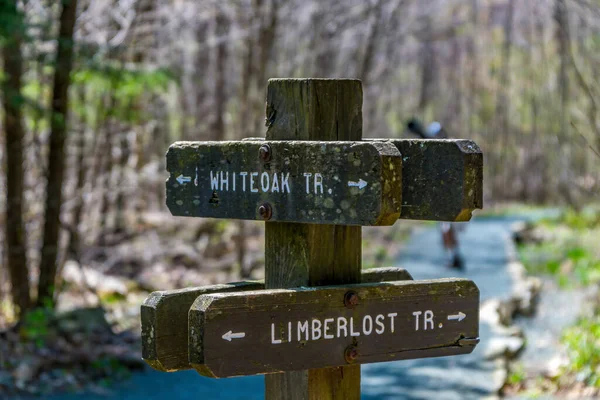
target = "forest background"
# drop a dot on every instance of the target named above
(94, 92)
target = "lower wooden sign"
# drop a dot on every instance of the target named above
(270, 331)
(164, 317)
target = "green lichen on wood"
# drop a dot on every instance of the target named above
(318, 174)
(442, 179)
(442, 195)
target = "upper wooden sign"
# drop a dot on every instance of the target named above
(343, 183)
(269, 331)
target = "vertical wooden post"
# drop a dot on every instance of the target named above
(306, 254)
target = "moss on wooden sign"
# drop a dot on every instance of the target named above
(342, 183)
(442, 179)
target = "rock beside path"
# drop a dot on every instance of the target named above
(56, 352)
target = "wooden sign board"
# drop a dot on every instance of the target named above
(442, 179)
(343, 183)
(270, 331)
(164, 317)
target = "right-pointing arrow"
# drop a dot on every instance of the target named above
(457, 317)
(361, 184)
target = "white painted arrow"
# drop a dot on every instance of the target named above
(230, 335)
(360, 184)
(183, 179)
(458, 317)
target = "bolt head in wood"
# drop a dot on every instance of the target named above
(351, 354)
(351, 299)
(264, 153)
(265, 211)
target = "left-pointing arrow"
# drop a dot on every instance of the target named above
(183, 179)
(230, 335)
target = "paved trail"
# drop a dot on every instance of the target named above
(485, 249)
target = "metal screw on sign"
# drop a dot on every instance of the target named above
(265, 211)
(350, 299)
(265, 152)
(351, 354)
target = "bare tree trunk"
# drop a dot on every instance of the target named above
(122, 180)
(563, 145)
(502, 102)
(474, 68)
(369, 53)
(219, 94)
(13, 33)
(366, 64)
(106, 176)
(562, 37)
(104, 171)
(428, 69)
(266, 41)
(533, 154)
(247, 75)
(200, 77)
(592, 112)
(56, 164)
(453, 117)
(120, 203)
(323, 60)
(74, 245)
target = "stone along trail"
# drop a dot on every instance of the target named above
(486, 246)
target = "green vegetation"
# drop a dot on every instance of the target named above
(35, 326)
(583, 347)
(566, 247)
(517, 375)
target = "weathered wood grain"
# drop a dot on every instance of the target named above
(164, 317)
(343, 183)
(442, 179)
(293, 329)
(384, 274)
(313, 255)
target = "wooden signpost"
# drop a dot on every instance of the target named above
(267, 331)
(315, 182)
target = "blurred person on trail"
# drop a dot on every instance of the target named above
(449, 229)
